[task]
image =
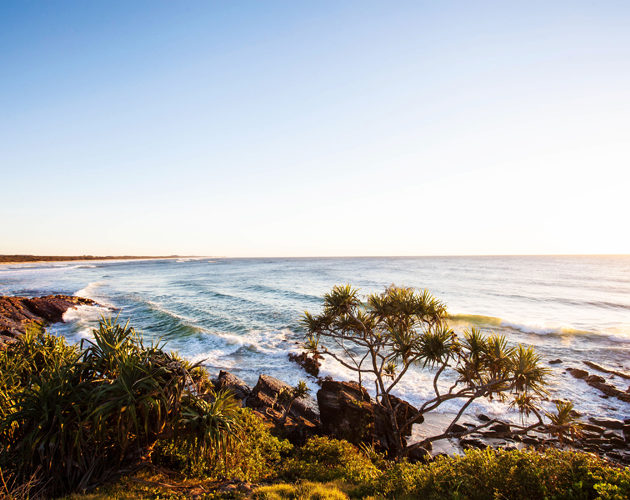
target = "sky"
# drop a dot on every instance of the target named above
(325, 128)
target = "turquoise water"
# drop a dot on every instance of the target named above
(243, 314)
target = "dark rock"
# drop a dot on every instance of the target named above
(458, 429)
(607, 370)
(227, 380)
(298, 424)
(500, 427)
(626, 432)
(577, 373)
(266, 393)
(18, 313)
(346, 411)
(469, 442)
(608, 423)
(555, 361)
(612, 435)
(483, 418)
(311, 364)
(529, 440)
(419, 454)
(592, 428)
(404, 412)
(601, 384)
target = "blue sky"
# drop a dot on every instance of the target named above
(314, 128)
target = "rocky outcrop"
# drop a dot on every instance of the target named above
(311, 364)
(235, 385)
(347, 412)
(300, 422)
(595, 366)
(17, 313)
(600, 383)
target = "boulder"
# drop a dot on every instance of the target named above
(555, 361)
(237, 386)
(577, 373)
(266, 393)
(500, 427)
(608, 423)
(311, 364)
(458, 429)
(298, 424)
(346, 411)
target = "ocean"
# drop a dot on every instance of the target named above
(243, 315)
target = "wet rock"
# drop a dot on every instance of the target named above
(607, 370)
(555, 361)
(592, 428)
(601, 384)
(18, 313)
(311, 364)
(227, 380)
(626, 432)
(608, 423)
(458, 429)
(577, 373)
(500, 427)
(483, 418)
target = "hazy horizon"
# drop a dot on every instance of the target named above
(274, 129)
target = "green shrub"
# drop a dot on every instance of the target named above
(486, 474)
(324, 459)
(76, 416)
(254, 456)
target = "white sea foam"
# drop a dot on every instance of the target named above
(84, 318)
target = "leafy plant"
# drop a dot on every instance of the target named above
(77, 416)
(382, 339)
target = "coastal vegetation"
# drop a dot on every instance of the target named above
(380, 340)
(114, 417)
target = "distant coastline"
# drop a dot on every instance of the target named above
(25, 259)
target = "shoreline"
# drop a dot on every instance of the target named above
(87, 258)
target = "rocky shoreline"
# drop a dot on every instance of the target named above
(344, 410)
(18, 313)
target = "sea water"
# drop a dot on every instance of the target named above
(243, 315)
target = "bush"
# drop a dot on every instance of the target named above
(484, 474)
(324, 459)
(77, 416)
(254, 456)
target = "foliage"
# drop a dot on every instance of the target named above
(254, 456)
(400, 328)
(483, 474)
(76, 416)
(564, 422)
(325, 459)
(304, 490)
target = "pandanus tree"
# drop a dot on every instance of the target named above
(381, 339)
